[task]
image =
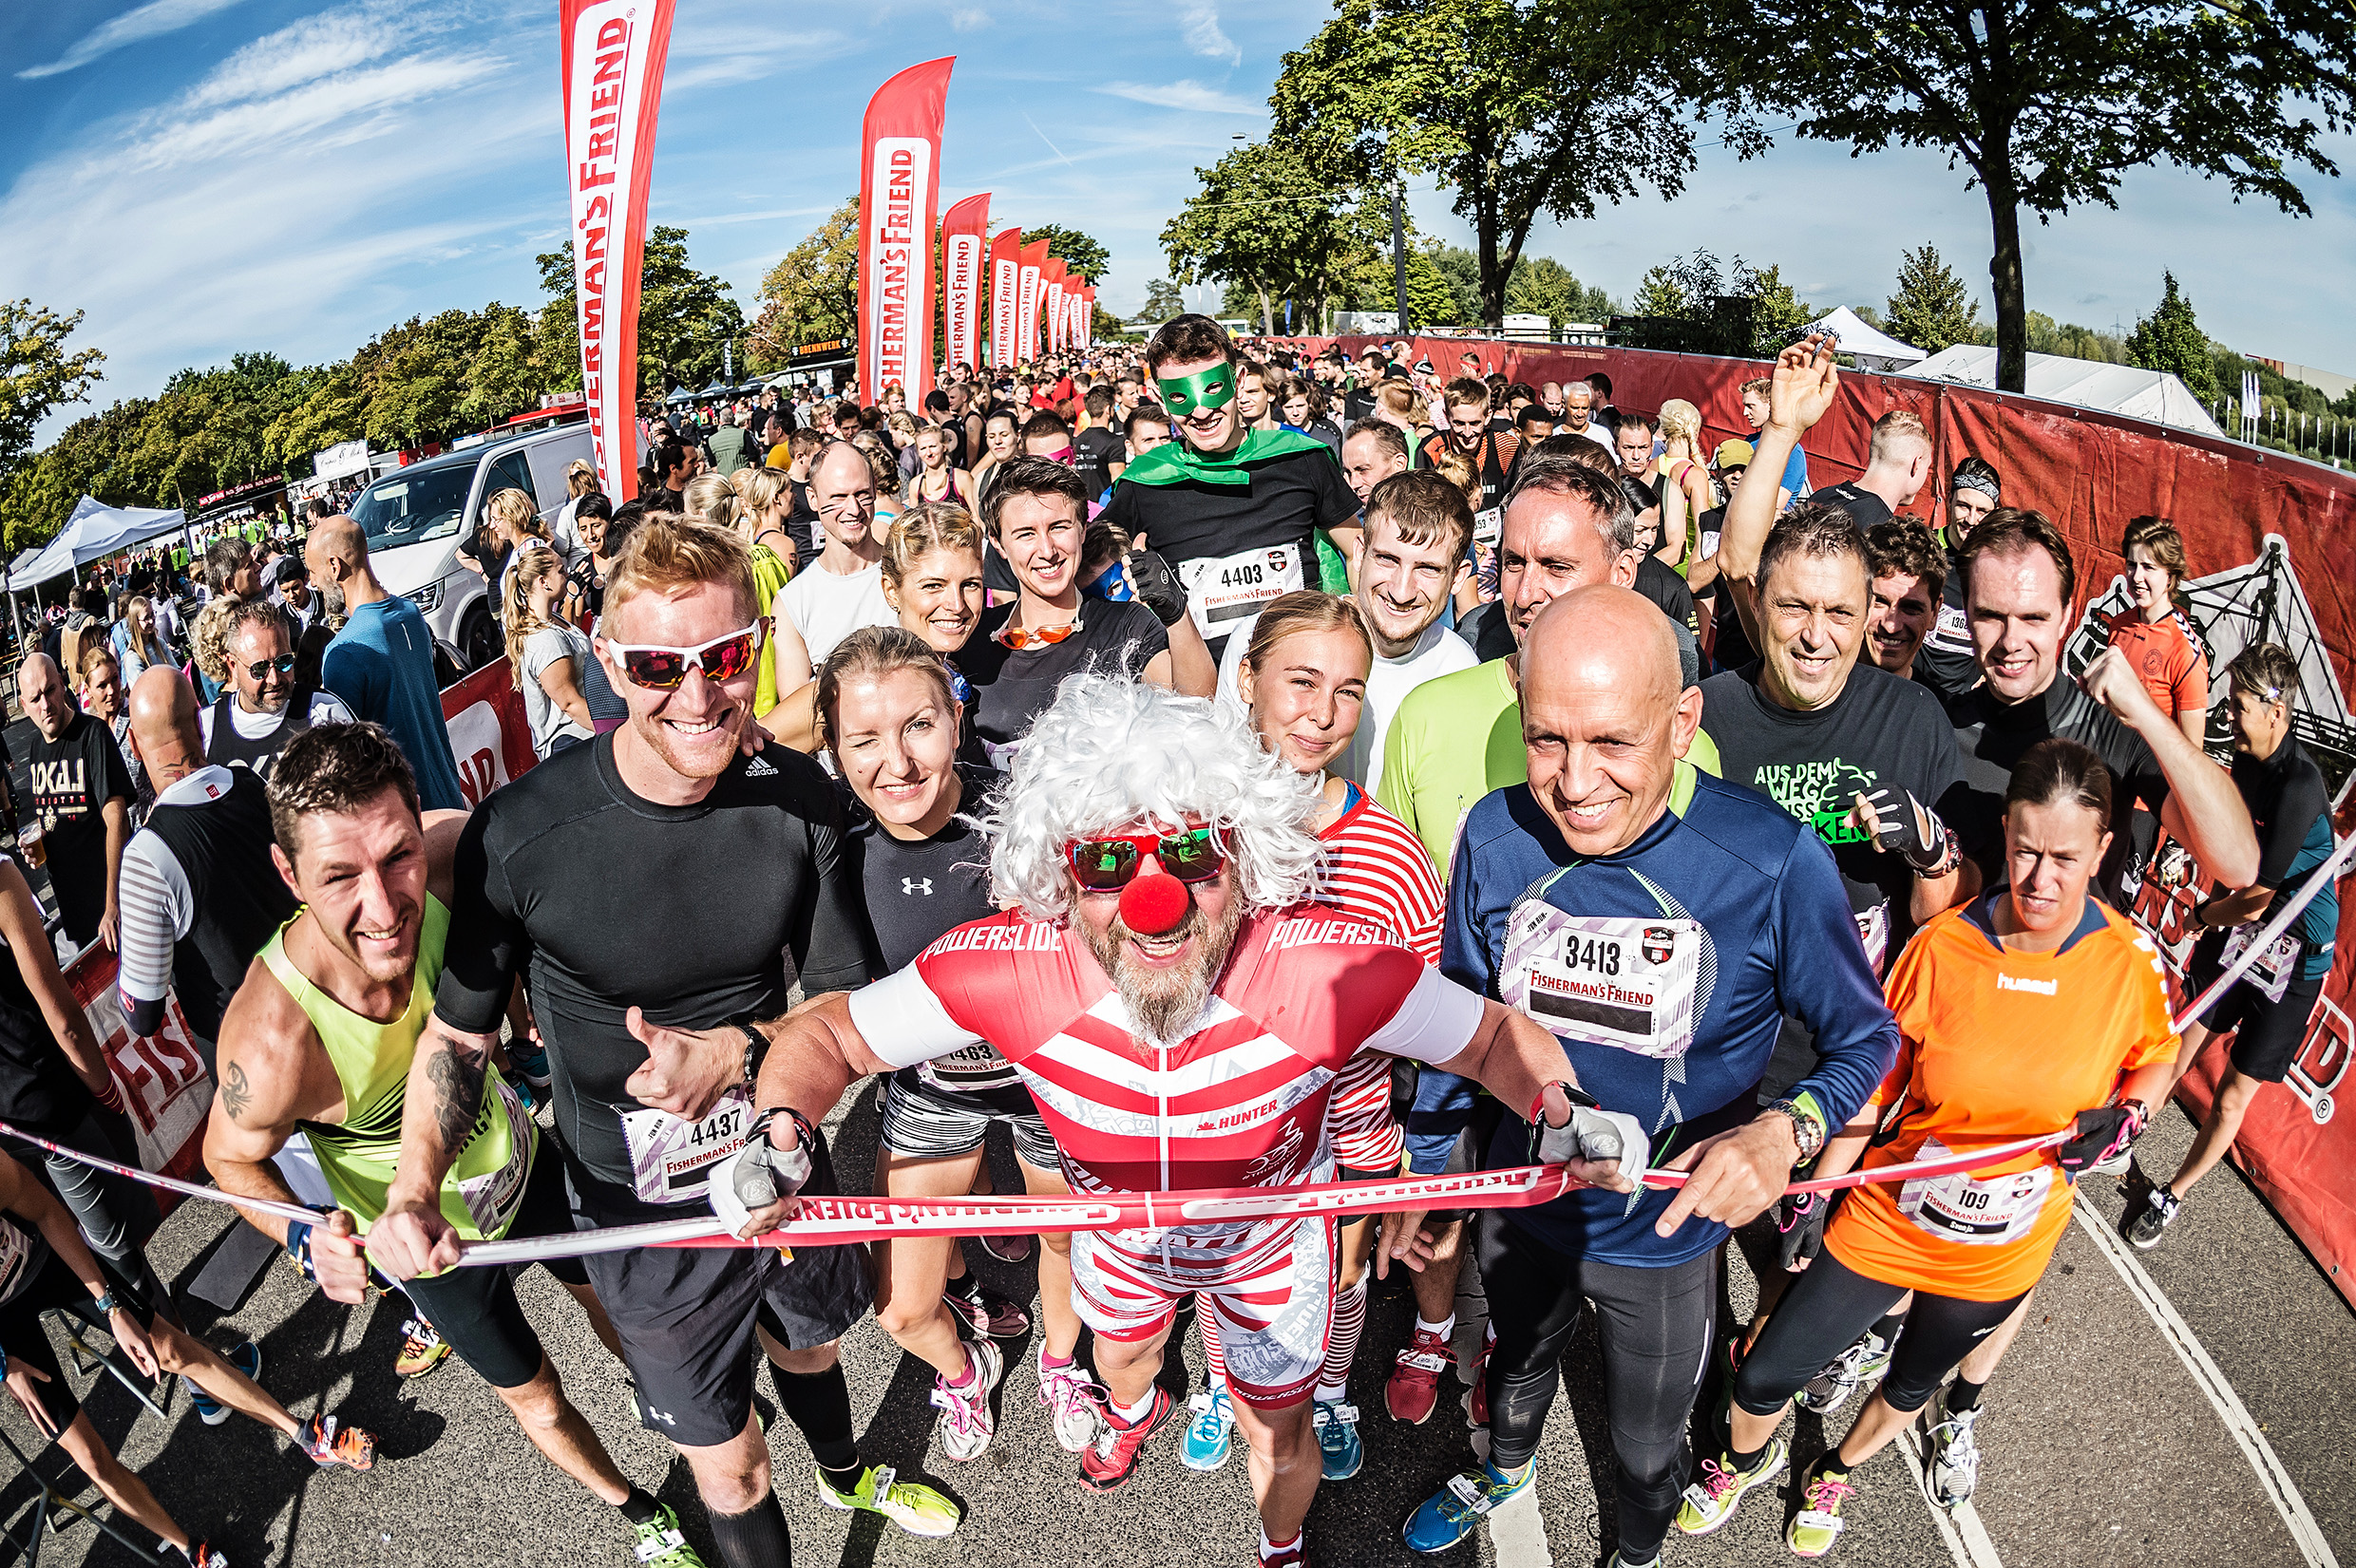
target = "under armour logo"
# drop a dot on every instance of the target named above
(910, 886)
(760, 768)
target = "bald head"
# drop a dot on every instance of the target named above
(41, 688)
(1603, 719)
(163, 725)
(336, 539)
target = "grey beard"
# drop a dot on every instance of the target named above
(1161, 1006)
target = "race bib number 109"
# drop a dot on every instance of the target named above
(1613, 980)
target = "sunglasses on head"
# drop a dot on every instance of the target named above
(283, 664)
(661, 669)
(1103, 863)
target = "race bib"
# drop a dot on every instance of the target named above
(493, 1198)
(671, 1160)
(1612, 981)
(1001, 757)
(1222, 590)
(1979, 1212)
(1952, 631)
(2275, 967)
(1486, 524)
(15, 1250)
(1709, 544)
(1874, 931)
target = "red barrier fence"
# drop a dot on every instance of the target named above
(2273, 559)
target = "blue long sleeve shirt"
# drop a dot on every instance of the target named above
(1667, 986)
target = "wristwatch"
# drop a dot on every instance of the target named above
(109, 1304)
(1806, 1124)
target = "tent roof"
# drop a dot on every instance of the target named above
(1860, 337)
(2154, 395)
(94, 530)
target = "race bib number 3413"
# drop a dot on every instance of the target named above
(1614, 980)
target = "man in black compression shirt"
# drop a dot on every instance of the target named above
(658, 876)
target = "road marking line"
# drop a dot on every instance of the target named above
(1517, 1535)
(1966, 1538)
(2272, 1477)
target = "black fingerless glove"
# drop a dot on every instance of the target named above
(1157, 586)
(1913, 830)
(2104, 1134)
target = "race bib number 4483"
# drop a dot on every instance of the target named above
(1613, 980)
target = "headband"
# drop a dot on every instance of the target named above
(1984, 483)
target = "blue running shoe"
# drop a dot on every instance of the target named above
(247, 1358)
(1206, 1443)
(1456, 1509)
(1338, 1441)
(530, 1060)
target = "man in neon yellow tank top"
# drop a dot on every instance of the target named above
(319, 1039)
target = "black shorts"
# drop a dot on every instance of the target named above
(686, 1315)
(2267, 1036)
(927, 1122)
(475, 1310)
(26, 1339)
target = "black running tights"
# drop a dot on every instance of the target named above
(1825, 1311)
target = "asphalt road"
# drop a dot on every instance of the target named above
(2101, 1448)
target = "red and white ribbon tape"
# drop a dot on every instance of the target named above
(833, 1220)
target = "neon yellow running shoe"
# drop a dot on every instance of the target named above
(660, 1544)
(918, 1510)
(1819, 1525)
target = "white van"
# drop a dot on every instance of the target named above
(418, 518)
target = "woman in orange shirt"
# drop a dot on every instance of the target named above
(2158, 638)
(2016, 1010)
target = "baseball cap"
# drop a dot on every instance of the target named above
(1733, 454)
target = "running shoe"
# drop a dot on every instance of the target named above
(1339, 1445)
(988, 1314)
(201, 1554)
(1620, 1560)
(660, 1543)
(1293, 1554)
(1415, 1383)
(1074, 1401)
(329, 1442)
(1829, 1389)
(247, 1358)
(1816, 1527)
(1477, 1397)
(1710, 1502)
(2117, 1164)
(422, 1351)
(966, 1423)
(2159, 1213)
(918, 1510)
(1007, 1248)
(530, 1060)
(1954, 1466)
(1456, 1509)
(1208, 1436)
(1121, 1447)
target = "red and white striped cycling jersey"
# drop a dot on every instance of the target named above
(1376, 869)
(1239, 1102)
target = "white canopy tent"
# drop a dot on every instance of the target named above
(1875, 348)
(2154, 395)
(93, 531)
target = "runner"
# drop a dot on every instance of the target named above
(1307, 682)
(2268, 1008)
(1949, 666)
(2032, 1009)
(1898, 464)
(2158, 636)
(1234, 510)
(842, 589)
(1120, 792)
(893, 721)
(320, 1039)
(1910, 577)
(1037, 518)
(1491, 453)
(661, 828)
(1619, 868)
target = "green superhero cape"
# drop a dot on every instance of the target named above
(1175, 462)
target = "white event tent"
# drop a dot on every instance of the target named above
(93, 531)
(1875, 348)
(2154, 395)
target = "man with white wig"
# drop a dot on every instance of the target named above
(1179, 1008)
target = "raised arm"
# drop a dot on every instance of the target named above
(1805, 382)
(2204, 810)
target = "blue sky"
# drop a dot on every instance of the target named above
(206, 176)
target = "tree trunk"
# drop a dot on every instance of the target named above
(2012, 315)
(1493, 279)
(1267, 315)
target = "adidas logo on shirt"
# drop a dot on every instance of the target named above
(2043, 988)
(759, 768)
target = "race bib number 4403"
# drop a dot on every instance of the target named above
(1614, 980)
(1225, 589)
(670, 1159)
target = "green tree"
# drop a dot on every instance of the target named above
(1371, 283)
(555, 328)
(331, 409)
(1462, 270)
(1777, 310)
(685, 317)
(37, 375)
(1075, 249)
(1520, 108)
(1266, 221)
(503, 378)
(1931, 310)
(1163, 300)
(2049, 103)
(811, 295)
(2168, 339)
(1543, 286)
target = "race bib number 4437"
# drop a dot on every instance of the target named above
(1614, 980)
(671, 1160)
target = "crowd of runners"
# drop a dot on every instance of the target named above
(1223, 773)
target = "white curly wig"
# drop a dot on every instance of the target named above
(1111, 751)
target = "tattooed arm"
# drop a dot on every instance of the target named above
(444, 1095)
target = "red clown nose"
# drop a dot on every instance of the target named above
(1154, 902)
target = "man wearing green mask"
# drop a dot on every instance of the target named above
(1235, 512)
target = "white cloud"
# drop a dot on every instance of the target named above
(1198, 22)
(153, 19)
(313, 47)
(1188, 95)
(969, 18)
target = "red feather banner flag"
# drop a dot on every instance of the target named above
(899, 199)
(961, 245)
